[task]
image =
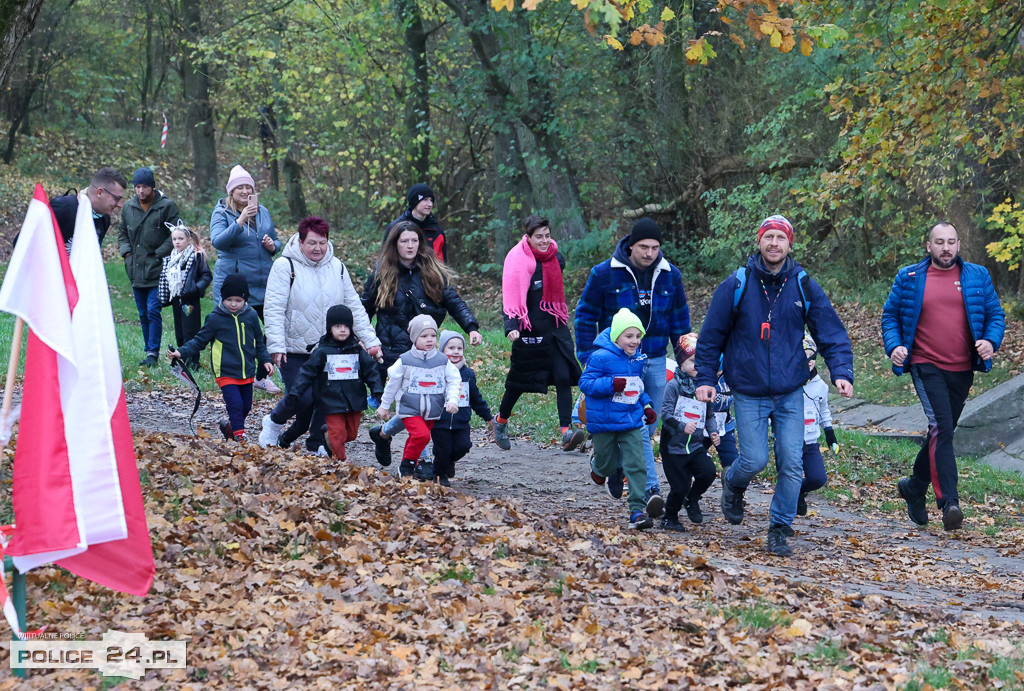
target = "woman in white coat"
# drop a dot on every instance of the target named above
(305, 282)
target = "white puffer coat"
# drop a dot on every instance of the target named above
(296, 311)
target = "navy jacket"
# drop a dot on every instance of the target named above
(612, 285)
(238, 344)
(776, 366)
(338, 395)
(470, 400)
(903, 307)
(604, 412)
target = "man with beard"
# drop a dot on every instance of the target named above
(941, 322)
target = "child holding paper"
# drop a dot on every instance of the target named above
(687, 426)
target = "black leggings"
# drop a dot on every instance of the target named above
(563, 393)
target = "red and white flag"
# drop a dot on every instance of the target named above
(163, 136)
(77, 499)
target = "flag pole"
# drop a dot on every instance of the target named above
(18, 583)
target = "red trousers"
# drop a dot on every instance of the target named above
(341, 429)
(419, 437)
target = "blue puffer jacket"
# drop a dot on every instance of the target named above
(604, 413)
(903, 307)
(776, 366)
(241, 250)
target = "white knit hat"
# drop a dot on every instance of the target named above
(239, 176)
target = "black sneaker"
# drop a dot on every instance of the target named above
(327, 442)
(655, 502)
(382, 446)
(406, 468)
(149, 361)
(225, 429)
(801, 504)
(672, 524)
(573, 438)
(444, 481)
(952, 516)
(693, 511)
(732, 503)
(638, 520)
(424, 471)
(916, 509)
(776, 543)
(613, 483)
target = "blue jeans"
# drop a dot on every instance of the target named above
(655, 379)
(147, 301)
(752, 413)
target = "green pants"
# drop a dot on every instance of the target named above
(611, 448)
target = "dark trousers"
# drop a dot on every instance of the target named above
(727, 452)
(147, 302)
(187, 321)
(562, 377)
(943, 395)
(307, 416)
(238, 399)
(450, 445)
(341, 429)
(815, 476)
(689, 476)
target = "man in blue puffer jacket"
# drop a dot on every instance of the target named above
(764, 364)
(941, 322)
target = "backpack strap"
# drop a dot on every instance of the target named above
(741, 287)
(291, 267)
(802, 282)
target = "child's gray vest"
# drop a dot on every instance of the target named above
(424, 385)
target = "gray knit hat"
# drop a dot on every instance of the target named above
(418, 324)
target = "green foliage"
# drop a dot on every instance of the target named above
(1008, 220)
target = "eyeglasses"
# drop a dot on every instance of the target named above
(117, 198)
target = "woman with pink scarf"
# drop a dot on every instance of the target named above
(536, 321)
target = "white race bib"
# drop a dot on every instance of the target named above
(720, 418)
(631, 394)
(811, 429)
(342, 366)
(464, 395)
(426, 381)
(689, 410)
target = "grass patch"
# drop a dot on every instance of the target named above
(456, 572)
(756, 615)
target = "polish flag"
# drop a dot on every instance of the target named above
(77, 499)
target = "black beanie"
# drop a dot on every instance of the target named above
(339, 314)
(418, 193)
(644, 229)
(235, 286)
(144, 176)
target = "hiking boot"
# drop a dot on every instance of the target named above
(693, 511)
(801, 504)
(149, 361)
(655, 502)
(382, 446)
(406, 467)
(271, 432)
(673, 524)
(266, 385)
(424, 471)
(732, 503)
(776, 543)
(613, 483)
(573, 438)
(444, 481)
(916, 509)
(952, 516)
(225, 428)
(501, 435)
(638, 520)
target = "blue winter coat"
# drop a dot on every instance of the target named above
(612, 286)
(903, 307)
(608, 361)
(241, 250)
(776, 366)
(473, 402)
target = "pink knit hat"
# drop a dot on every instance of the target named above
(239, 176)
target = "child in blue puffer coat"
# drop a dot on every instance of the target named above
(617, 407)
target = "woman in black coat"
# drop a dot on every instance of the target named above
(184, 278)
(536, 321)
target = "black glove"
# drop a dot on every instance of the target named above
(830, 439)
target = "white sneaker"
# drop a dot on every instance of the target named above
(270, 432)
(267, 385)
(322, 452)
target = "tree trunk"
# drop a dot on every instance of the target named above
(293, 188)
(17, 19)
(417, 100)
(199, 116)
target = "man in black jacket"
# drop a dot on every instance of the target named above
(419, 208)
(106, 193)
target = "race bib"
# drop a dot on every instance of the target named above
(689, 410)
(464, 395)
(342, 367)
(631, 394)
(720, 418)
(811, 429)
(426, 381)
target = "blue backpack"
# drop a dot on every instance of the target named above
(741, 275)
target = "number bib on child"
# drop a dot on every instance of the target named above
(344, 366)
(427, 381)
(464, 395)
(811, 429)
(690, 410)
(631, 394)
(720, 419)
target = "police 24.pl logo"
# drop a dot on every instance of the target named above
(119, 654)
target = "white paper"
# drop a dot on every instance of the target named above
(464, 395)
(342, 366)
(689, 410)
(426, 381)
(631, 394)
(811, 428)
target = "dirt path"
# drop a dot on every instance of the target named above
(860, 554)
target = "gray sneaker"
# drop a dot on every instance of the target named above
(501, 435)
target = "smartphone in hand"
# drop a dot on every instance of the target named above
(254, 201)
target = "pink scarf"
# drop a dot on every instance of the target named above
(520, 263)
